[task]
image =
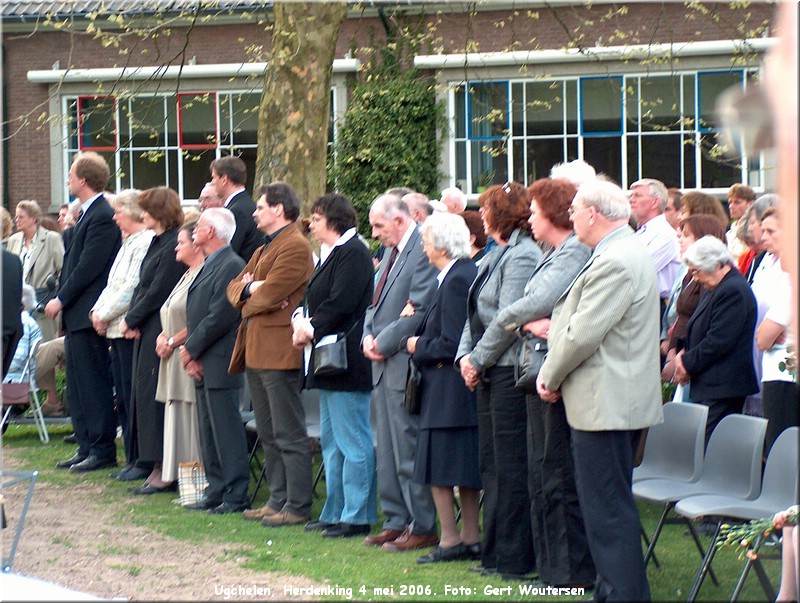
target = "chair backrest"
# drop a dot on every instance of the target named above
(781, 488)
(733, 458)
(310, 398)
(15, 394)
(674, 448)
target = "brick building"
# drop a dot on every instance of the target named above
(628, 87)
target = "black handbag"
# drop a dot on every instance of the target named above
(330, 359)
(413, 394)
(529, 361)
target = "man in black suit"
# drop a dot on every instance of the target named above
(91, 250)
(212, 323)
(228, 176)
(12, 306)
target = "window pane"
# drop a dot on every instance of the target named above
(543, 154)
(149, 169)
(98, 122)
(689, 105)
(661, 158)
(147, 121)
(488, 110)
(633, 159)
(72, 123)
(196, 171)
(689, 165)
(224, 119)
(544, 105)
(198, 119)
(461, 165)
(172, 120)
(488, 164)
(660, 104)
(717, 172)
(572, 106)
(519, 161)
(245, 118)
(711, 86)
(601, 105)
(604, 154)
(459, 113)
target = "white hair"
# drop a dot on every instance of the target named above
(609, 199)
(708, 253)
(457, 196)
(656, 189)
(222, 221)
(390, 206)
(578, 172)
(28, 297)
(449, 233)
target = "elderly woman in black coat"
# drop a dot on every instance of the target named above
(447, 444)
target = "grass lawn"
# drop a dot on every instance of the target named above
(348, 563)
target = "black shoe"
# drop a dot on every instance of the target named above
(93, 463)
(474, 550)
(78, 458)
(133, 475)
(71, 439)
(318, 526)
(442, 553)
(512, 577)
(229, 507)
(204, 504)
(116, 474)
(148, 488)
(346, 530)
(483, 571)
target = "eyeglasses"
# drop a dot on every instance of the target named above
(571, 211)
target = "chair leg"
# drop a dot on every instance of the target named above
(746, 571)
(261, 478)
(318, 477)
(647, 544)
(38, 418)
(700, 548)
(652, 546)
(704, 567)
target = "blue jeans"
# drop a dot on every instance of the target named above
(349, 457)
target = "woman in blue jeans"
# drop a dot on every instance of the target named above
(337, 298)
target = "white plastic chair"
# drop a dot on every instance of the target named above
(778, 492)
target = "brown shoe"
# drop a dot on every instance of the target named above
(260, 513)
(284, 518)
(51, 410)
(408, 541)
(382, 537)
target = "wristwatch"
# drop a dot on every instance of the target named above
(171, 342)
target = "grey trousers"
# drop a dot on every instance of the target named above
(281, 428)
(403, 501)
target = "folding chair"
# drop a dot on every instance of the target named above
(778, 492)
(24, 393)
(17, 477)
(732, 466)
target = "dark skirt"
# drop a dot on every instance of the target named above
(448, 457)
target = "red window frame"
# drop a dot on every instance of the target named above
(210, 145)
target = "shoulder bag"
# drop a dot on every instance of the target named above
(530, 360)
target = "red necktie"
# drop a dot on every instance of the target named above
(382, 281)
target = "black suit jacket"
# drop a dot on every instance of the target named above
(89, 254)
(247, 237)
(446, 400)
(212, 321)
(719, 341)
(12, 306)
(338, 294)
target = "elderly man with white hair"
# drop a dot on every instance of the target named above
(603, 359)
(454, 200)
(717, 358)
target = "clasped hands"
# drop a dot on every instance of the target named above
(193, 368)
(302, 332)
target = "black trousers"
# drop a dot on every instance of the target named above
(91, 400)
(780, 408)
(719, 409)
(559, 536)
(504, 472)
(603, 472)
(121, 367)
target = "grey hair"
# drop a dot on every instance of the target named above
(449, 233)
(578, 172)
(657, 189)
(390, 206)
(127, 200)
(221, 220)
(762, 204)
(457, 195)
(708, 253)
(75, 207)
(28, 297)
(609, 199)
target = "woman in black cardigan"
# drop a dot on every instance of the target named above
(336, 300)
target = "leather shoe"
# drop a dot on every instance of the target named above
(71, 439)
(78, 458)
(149, 488)
(317, 526)
(474, 550)
(483, 571)
(382, 537)
(346, 530)
(229, 507)
(260, 513)
(93, 463)
(284, 518)
(441, 553)
(408, 541)
(202, 505)
(133, 475)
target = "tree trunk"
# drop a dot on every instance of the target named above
(294, 116)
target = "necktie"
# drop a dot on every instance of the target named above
(382, 280)
(80, 215)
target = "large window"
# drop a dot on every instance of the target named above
(156, 139)
(626, 126)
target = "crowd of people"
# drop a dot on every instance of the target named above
(170, 320)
